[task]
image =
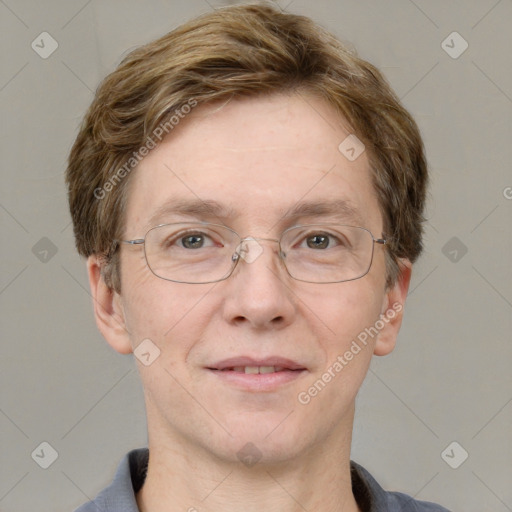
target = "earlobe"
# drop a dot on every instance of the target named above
(108, 309)
(392, 311)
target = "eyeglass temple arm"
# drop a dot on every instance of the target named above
(138, 241)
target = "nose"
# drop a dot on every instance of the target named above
(258, 292)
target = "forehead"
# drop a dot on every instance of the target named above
(258, 159)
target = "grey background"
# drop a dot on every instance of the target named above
(449, 378)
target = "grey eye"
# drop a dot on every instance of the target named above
(193, 241)
(318, 241)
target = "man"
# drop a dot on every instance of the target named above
(249, 197)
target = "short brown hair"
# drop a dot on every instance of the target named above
(238, 51)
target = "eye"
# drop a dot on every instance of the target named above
(183, 241)
(196, 240)
(193, 241)
(320, 241)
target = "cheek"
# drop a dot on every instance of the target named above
(344, 312)
(144, 306)
(170, 314)
(343, 316)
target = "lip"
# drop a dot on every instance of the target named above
(257, 382)
(278, 361)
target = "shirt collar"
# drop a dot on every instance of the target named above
(119, 496)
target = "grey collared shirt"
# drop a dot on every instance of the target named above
(119, 496)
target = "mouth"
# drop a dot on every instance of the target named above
(247, 364)
(253, 370)
(257, 375)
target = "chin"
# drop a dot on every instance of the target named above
(265, 443)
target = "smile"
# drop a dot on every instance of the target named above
(254, 377)
(254, 369)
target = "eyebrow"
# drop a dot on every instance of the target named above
(337, 207)
(341, 208)
(194, 208)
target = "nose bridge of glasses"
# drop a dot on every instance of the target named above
(260, 238)
(249, 248)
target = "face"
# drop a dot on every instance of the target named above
(256, 163)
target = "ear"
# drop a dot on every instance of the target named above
(108, 309)
(393, 310)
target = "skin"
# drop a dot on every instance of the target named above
(259, 157)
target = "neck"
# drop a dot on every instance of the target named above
(183, 476)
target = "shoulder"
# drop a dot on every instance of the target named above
(90, 506)
(119, 496)
(404, 503)
(371, 497)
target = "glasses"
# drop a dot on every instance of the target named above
(200, 253)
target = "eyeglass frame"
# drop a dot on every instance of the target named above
(236, 255)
